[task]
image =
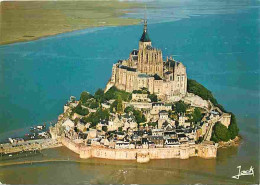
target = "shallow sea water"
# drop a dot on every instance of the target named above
(220, 49)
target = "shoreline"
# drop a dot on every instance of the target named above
(235, 142)
(7, 43)
(52, 18)
(37, 161)
(30, 145)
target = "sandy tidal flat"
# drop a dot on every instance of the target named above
(29, 20)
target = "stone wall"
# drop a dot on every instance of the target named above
(143, 155)
(225, 119)
(138, 105)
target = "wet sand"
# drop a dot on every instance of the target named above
(69, 169)
(31, 20)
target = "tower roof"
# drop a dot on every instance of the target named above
(145, 36)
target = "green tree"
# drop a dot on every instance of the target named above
(119, 107)
(102, 114)
(129, 109)
(139, 117)
(214, 138)
(120, 129)
(110, 94)
(113, 93)
(233, 128)
(85, 96)
(93, 104)
(153, 97)
(220, 132)
(137, 91)
(95, 117)
(99, 95)
(79, 110)
(154, 124)
(180, 107)
(196, 115)
(104, 128)
(113, 106)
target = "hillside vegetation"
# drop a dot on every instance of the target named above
(219, 132)
(198, 89)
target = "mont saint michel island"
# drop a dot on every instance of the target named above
(129, 92)
(148, 110)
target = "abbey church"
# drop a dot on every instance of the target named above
(145, 68)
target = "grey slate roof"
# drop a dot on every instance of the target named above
(127, 68)
(145, 37)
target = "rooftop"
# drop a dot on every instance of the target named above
(134, 52)
(143, 75)
(145, 37)
(157, 77)
(127, 68)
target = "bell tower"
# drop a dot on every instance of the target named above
(144, 40)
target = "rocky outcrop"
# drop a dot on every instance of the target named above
(196, 101)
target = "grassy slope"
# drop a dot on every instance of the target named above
(21, 21)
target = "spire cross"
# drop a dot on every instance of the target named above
(145, 20)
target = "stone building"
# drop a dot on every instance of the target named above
(145, 68)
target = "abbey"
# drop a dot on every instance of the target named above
(145, 68)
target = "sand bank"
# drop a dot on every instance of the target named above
(30, 20)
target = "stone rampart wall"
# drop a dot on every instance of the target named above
(143, 155)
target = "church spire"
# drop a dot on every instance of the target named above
(145, 25)
(145, 21)
(145, 36)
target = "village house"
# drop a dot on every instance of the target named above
(68, 125)
(104, 142)
(160, 106)
(157, 140)
(183, 138)
(81, 127)
(171, 143)
(136, 97)
(167, 126)
(138, 145)
(170, 134)
(183, 121)
(145, 143)
(157, 132)
(121, 145)
(92, 133)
